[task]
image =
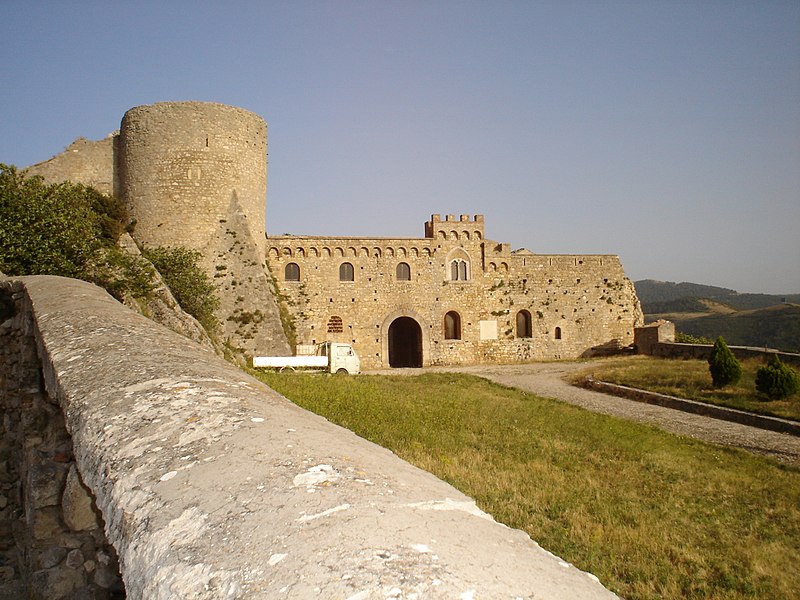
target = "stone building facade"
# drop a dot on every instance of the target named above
(452, 297)
(194, 174)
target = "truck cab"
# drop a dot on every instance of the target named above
(341, 358)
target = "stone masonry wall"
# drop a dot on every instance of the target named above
(576, 305)
(52, 544)
(184, 166)
(212, 486)
(84, 161)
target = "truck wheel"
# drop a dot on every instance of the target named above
(342, 372)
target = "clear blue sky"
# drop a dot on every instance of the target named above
(666, 132)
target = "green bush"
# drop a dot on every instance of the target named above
(686, 338)
(46, 229)
(777, 380)
(190, 285)
(123, 274)
(66, 229)
(724, 368)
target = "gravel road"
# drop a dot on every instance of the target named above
(548, 379)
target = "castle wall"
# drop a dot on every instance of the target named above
(84, 161)
(577, 305)
(193, 174)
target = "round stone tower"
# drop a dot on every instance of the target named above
(182, 167)
(194, 174)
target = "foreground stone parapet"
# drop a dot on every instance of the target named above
(212, 485)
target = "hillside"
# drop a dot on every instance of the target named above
(655, 296)
(708, 311)
(651, 290)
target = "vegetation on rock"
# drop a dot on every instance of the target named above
(72, 230)
(724, 367)
(190, 285)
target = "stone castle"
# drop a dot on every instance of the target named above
(194, 174)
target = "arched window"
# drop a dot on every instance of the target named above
(346, 272)
(558, 333)
(524, 329)
(335, 325)
(452, 326)
(403, 272)
(291, 272)
(458, 270)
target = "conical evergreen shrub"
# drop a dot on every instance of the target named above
(777, 380)
(725, 369)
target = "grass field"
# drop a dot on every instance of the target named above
(691, 379)
(653, 515)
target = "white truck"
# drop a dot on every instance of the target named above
(328, 356)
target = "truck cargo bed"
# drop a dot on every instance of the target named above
(295, 362)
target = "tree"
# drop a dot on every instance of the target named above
(724, 368)
(777, 380)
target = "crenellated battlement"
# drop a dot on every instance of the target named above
(463, 228)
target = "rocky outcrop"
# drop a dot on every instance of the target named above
(162, 307)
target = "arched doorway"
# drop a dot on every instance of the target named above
(405, 343)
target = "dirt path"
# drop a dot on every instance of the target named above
(547, 379)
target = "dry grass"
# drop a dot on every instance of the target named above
(691, 379)
(651, 514)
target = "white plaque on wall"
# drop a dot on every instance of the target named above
(488, 330)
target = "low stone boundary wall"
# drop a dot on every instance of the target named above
(212, 485)
(702, 352)
(692, 406)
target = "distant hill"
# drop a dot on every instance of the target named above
(652, 292)
(742, 319)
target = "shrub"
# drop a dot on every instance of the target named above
(66, 229)
(46, 229)
(724, 368)
(777, 380)
(190, 285)
(123, 274)
(687, 338)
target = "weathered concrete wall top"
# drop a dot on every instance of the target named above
(212, 485)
